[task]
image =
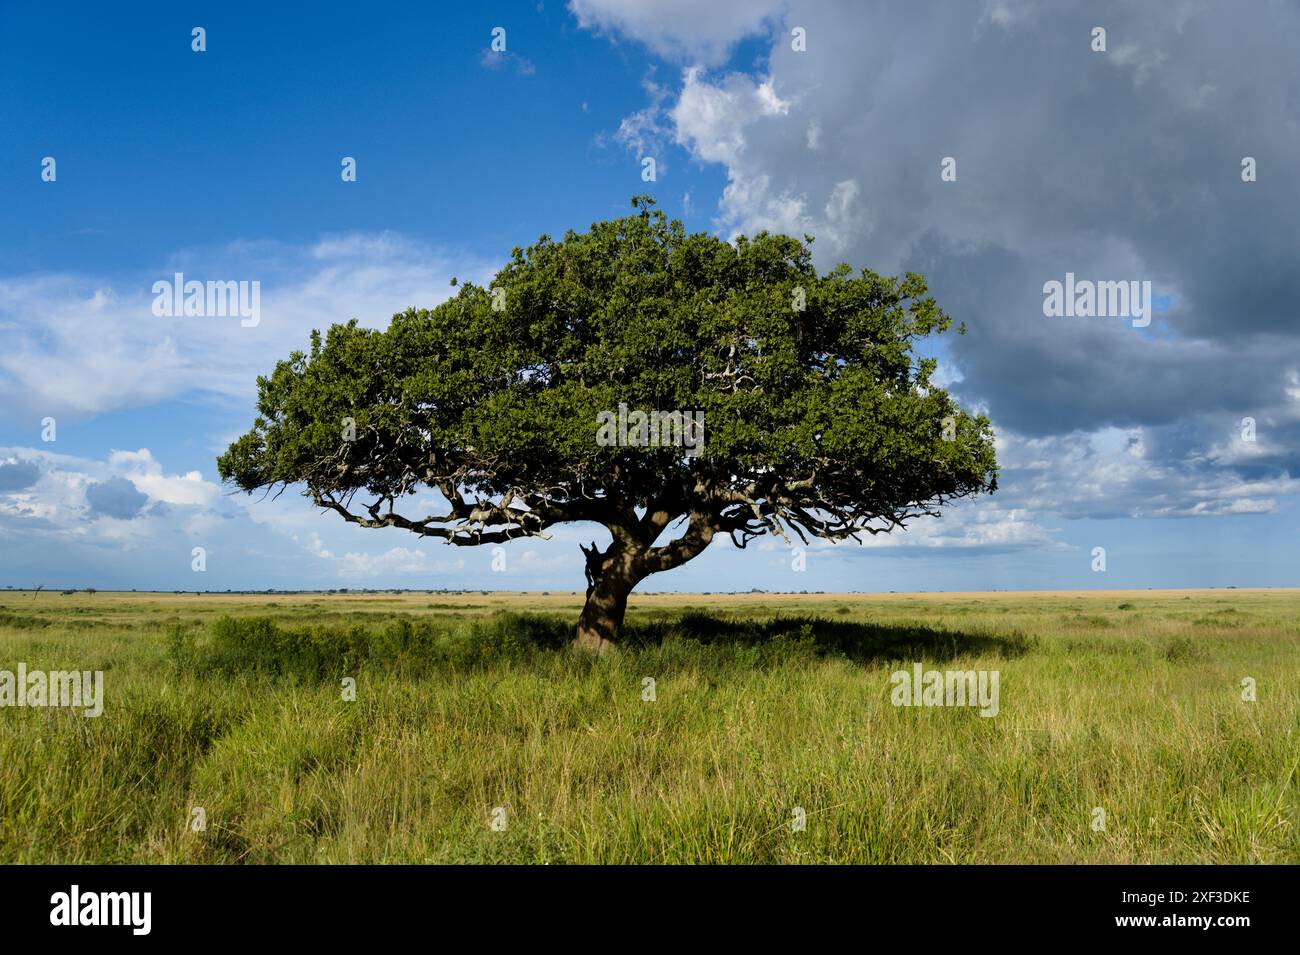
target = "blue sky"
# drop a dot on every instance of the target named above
(225, 164)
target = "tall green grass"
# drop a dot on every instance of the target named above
(239, 709)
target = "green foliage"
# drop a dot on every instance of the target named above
(261, 645)
(501, 402)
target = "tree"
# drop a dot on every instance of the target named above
(669, 387)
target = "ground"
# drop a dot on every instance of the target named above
(469, 711)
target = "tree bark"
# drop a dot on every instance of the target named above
(628, 560)
(610, 579)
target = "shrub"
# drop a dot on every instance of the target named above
(261, 645)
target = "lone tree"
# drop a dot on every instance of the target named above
(574, 387)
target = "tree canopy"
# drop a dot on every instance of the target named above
(820, 420)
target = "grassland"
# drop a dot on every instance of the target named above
(1131, 702)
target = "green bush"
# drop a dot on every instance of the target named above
(260, 645)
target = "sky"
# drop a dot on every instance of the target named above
(992, 145)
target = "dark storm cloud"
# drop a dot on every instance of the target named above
(1116, 165)
(1041, 375)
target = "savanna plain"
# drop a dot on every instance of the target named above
(229, 733)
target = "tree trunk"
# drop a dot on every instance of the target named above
(610, 581)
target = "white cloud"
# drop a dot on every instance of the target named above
(396, 562)
(710, 117)
(85, 345)
(643, 132)
(714, 121)
(981, 524)
(147, 475)
(1114, 473)
(58, 497)
(495, 59)
(689, 30)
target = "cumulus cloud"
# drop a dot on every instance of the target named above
(64, 490)
(122, 521)
(127, 520)
(1123, 473)
(680, 29)
(116, 497)
(147, 475)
